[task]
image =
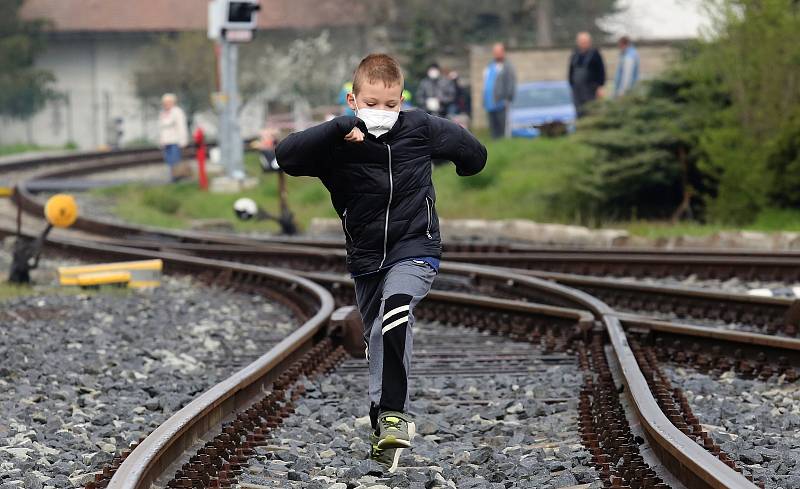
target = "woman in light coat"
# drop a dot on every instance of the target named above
(173, 133)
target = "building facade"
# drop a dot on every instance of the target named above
(94, 50)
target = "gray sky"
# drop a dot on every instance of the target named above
(658, 19)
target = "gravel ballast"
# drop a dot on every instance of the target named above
(756, 422)
(731, 285)
(84, 375)
(473, 431)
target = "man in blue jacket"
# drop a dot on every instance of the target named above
(499, 88)
(628, 67)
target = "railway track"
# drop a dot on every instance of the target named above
(768, 315)
(223, 428)
(517, 319)
(472, 390)
(702, 264)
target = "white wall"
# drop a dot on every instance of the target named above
(96, 75)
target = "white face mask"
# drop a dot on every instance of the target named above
(378, 121)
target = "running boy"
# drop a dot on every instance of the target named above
(377, 167)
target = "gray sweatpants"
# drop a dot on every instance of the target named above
(386, 300)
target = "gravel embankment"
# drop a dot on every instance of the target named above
(84, 375)
(493, 431)
(756, 422)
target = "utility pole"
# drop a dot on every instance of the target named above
(230, 139)
(544, 23)
(230, 22)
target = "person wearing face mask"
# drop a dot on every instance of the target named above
(435, 92)
(377, 167)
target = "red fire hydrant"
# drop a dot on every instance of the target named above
(200, 141)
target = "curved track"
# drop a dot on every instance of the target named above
(703, 264)
(221, 429)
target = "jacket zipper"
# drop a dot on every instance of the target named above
(388, 206)
(428, 206)
(347, 231)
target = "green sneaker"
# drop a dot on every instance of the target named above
(395, 430)
(388, 457)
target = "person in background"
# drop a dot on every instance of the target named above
(499, 88)
(458, 106)
(268, 140)
(435, 92)
(628, 67)
(346, 89)
(173, 133)
(407, 104)
(587, 73)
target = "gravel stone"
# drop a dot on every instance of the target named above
(86, 374)
(757, 422)
(493, 431)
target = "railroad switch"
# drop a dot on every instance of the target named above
(61, 211)
(26, 257)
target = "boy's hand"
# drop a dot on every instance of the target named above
(355, 136)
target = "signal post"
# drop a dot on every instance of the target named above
(231, 22)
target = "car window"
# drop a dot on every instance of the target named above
(528, 97)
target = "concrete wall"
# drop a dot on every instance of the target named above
(552, 64)
(95, 75)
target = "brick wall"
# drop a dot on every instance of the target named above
(551, 64)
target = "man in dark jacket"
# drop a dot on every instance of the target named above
(587, 73)
(377, 168)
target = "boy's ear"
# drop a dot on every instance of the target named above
(351, 100)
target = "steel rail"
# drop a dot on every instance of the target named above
(684, 458)
(769, 313)
(144, 155)
(167, 442)
(587, 261)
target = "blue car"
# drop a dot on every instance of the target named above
(539, 103)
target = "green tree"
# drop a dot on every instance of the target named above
(647, 151)
(309, 70)
(455, 24)
(421, 50)
(754, 56)
(24, 89)
(184, 64)
(717, 135)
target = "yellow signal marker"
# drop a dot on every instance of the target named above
(61, 210)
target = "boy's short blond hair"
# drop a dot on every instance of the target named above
(378, 68)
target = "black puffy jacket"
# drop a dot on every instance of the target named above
(381, 188)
